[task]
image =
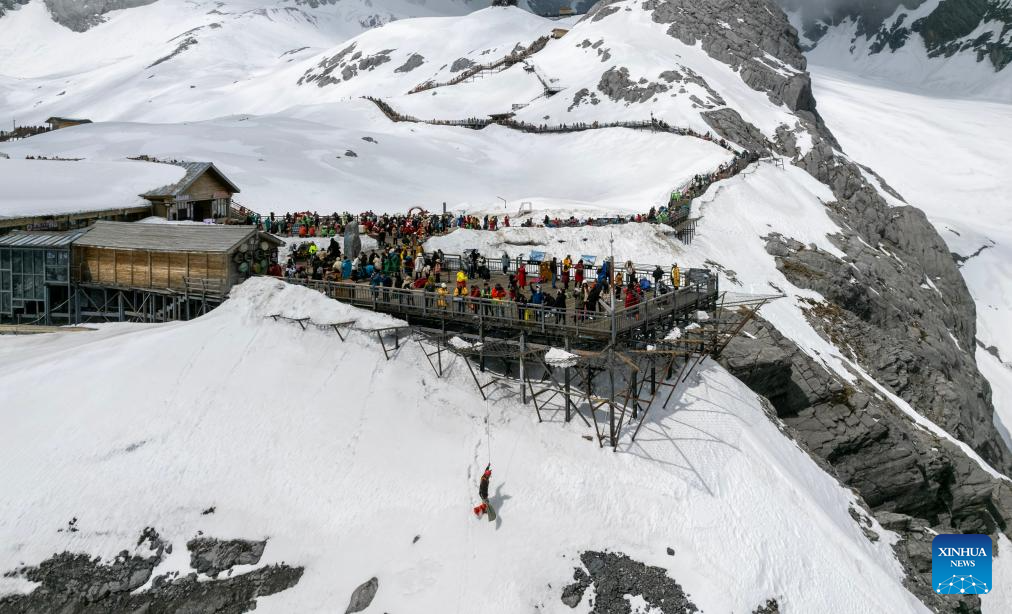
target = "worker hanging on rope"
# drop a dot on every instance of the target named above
(484, 507)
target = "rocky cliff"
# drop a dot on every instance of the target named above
(896, 303)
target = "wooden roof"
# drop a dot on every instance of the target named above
(194, 170)
(211, 238)
(67, 119)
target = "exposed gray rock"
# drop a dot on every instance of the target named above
(762, 46)
(76, 583)
(730, 125)
(584, 95)
(363, 596)
(323, 71)
(901, 471)
(8, 5)
(212, 556)
(899, 328)
(80, 16)
(599, 11)
(770, 607)
(616, 84)
(461, 64)
(372, 61)
(414, 61)
(183, 45)
(615, 575)
(348, 67)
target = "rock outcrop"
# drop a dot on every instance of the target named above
(912, 480)
(212, 556)
(8, 5)
(762, 46)
(80, 16)
(615, 576)
(76, 583)
(362, 597)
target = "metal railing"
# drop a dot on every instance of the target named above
(451, 263)
(484, 313)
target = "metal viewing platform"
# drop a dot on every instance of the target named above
(656, 314)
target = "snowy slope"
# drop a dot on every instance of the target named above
(300, 160)
(175, 59)
(938, 158)
(342, 470)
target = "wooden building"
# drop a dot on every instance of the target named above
(558, 33)
(204, 193)
(170, 256)
(55, 123)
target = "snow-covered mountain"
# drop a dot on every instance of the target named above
(948, 47)
(367, 469)
(869, 363)
(174, 59)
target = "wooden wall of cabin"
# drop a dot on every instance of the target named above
(146, 269)
(206, 186)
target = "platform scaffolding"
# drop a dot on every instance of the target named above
(90, 303)
(611, 390)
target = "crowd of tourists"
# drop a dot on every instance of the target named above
(392, 228)
(510, 287)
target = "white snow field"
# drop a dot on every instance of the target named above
(341, 458)
(951, 159)
(299, 161)
(33, 187)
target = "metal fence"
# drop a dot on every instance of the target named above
(485, 314)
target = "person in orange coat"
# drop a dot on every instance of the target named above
(483, 491)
